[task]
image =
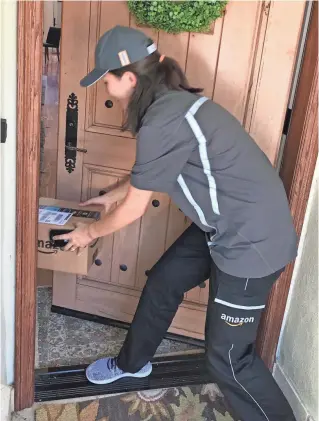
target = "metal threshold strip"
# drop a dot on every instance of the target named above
(168, 371)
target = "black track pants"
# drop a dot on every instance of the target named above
(233, 314)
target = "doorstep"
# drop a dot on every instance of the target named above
(168, 371)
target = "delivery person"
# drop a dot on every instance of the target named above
(242, 235)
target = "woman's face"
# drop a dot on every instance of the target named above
(122, 87)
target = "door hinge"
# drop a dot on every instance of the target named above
(4, 127)
(287, 121)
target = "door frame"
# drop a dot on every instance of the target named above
(299, 159)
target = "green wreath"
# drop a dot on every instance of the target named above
(177, 16)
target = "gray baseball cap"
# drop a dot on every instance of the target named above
(118, 47)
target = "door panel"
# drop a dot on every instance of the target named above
(105, 17)
(233, 64)
(109, 151)
(125, 249)
(275, 74)
(236, 56)
(175, 46)
(96, 179)
(152, 236)
(74, 42)
(203, 51)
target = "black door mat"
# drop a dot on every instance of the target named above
(70, 382)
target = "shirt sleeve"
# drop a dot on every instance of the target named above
(160, 158)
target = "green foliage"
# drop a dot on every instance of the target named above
(177, 16)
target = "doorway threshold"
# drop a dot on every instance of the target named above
(168, 371)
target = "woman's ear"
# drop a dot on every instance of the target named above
(131, 78)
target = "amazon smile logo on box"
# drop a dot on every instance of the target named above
(236, 321)
(47, 247)
(59, 216)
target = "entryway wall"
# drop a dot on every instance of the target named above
(8, 68)
(296, 368)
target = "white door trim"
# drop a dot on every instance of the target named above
(8, 88)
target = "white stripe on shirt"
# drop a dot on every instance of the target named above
(203, 156)
(191, 200)
(205, 162)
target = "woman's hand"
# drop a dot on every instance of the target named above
(132, 208)
(104, 200)
(115, 194)
(78, 239)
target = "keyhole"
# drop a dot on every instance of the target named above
(123, 268)
(108, 103)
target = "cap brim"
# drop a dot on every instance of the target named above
(93, 77)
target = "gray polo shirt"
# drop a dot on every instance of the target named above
(198, 153)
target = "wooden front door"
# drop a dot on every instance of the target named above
(245, 63)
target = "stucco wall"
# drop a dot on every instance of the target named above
(298, 347)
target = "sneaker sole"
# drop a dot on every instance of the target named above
(121, 376)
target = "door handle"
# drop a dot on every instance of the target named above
(71, 132)
(73, 148)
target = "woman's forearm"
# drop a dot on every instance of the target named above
(124, 214)
(114, 221)
(119, 193)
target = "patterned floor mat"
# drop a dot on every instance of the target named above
(193, 403)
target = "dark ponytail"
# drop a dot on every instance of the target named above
(154, 74)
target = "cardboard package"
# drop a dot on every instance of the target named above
(55, 258)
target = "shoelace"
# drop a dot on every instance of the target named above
(112, 364)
